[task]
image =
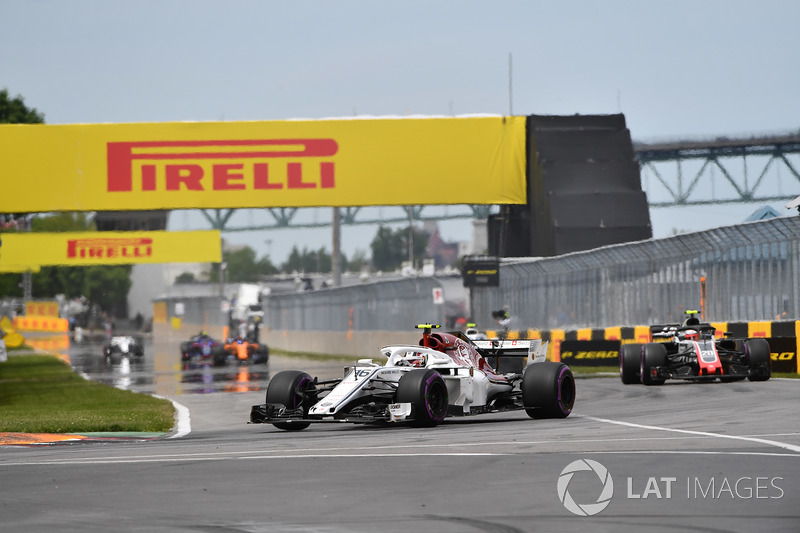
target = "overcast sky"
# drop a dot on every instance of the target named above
(676, 69)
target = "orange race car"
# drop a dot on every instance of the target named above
(245, 350)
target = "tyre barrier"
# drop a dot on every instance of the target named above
(41, 323)
(601, 346)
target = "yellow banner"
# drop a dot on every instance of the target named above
(297, 163)
(111, 248)
(17, 269)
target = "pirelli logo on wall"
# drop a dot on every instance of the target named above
(111, 248)
(263, 164)
(224, 165)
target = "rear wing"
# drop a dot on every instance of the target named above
(663, 330)
(533, 349)
(670, 330)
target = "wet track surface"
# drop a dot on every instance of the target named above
(161, 371)
(682, 457)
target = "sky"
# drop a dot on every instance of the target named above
(679, 69)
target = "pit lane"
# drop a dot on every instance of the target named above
(495, 473)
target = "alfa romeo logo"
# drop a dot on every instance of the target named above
(587, 509)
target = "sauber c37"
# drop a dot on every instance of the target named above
(446, 375)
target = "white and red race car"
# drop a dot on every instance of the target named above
(447, 374)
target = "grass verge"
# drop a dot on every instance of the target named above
(42, 394)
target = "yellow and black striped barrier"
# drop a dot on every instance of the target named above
(600, 346)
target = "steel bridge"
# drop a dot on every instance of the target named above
(675, 173)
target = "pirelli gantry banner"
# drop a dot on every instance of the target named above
(297, 163)
(110, 248)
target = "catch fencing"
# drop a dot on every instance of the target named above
(736, 273)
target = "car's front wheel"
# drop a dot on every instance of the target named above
(426, 391)
(548, 390)
(293, 389)
(757, 356)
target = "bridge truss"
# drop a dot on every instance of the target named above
(678, 173)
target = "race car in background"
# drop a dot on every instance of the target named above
(473, 333)
(123, 345)
(202, 348)
(691, 351)
(245, 350)
(446, 374)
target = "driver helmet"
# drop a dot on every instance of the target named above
(417, 360)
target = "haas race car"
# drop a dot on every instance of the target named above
(691, 351)
(447, 374)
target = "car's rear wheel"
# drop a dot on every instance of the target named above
(630, 362)
(756, 353)
(548, 390)
(653, 355)
(426, 391)
(292, 389)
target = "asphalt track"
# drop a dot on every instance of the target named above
(682, 457)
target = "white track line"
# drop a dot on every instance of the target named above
(755, 440)
(184, 424)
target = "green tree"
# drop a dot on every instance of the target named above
(356, 263)
(108, 287)
(307, 261)
(63, 222)
(185, 277)
(14, 111)
(390, 248)
(242, 267)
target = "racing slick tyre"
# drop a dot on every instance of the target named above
(261, 355)
(293, 389)
(756, 352)
(219, 355)
(548, 390)
(630, 362)
(736, 345)
(185, 347)
(653, 355)
(426, 391)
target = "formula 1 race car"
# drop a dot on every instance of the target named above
(123, 345)
(245, 350)
(447, 374)
(203, 348)
(692, 352)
